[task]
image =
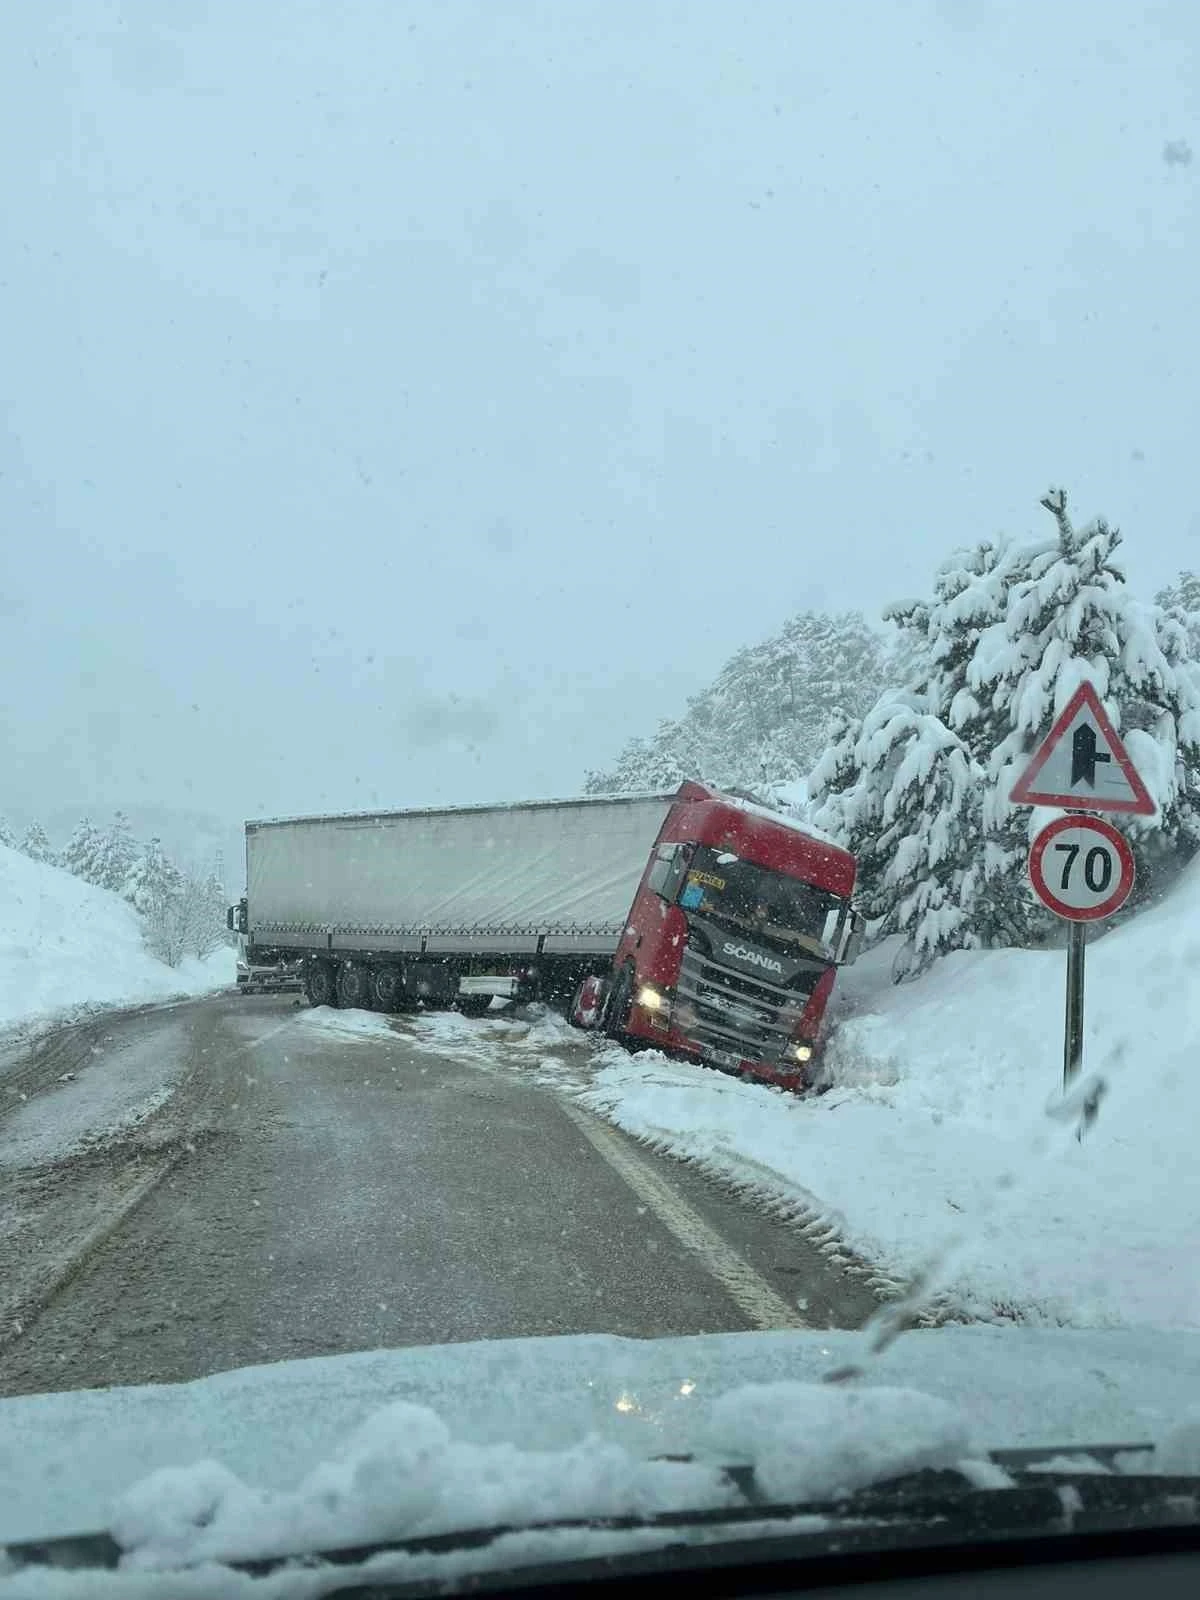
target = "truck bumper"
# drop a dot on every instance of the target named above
(251, 980)
(647, 1027)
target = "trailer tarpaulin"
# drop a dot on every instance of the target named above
(558, 868)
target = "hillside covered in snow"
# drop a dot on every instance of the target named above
(67, 947)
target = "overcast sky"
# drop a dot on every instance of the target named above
(406, 403)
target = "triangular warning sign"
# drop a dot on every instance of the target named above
(1082, 764)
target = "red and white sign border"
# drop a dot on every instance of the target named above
(1043, 890)
(1025, 793)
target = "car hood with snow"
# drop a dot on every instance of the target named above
(384, 1444)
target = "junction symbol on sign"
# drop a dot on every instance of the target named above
(1082, 764)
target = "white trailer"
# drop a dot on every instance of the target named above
(393, 908)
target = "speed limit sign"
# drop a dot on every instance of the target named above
(1081, 867)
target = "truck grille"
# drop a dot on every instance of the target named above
(732, 1012)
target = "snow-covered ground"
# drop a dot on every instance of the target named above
(67, 948)
(946, 1139)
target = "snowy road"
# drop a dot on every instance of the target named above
(311, 1189)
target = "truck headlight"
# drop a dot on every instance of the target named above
(651, 999)
(801, 1051)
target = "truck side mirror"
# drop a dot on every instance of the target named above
(842, 934)
(236, 918)
(680, 862)
(229, 916)
(667, 872)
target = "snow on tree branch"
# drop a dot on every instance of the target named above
(766, 717)
(918, 787)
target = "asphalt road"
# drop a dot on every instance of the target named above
(307, 1194)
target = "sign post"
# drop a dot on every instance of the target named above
(1073, 1042)
(1080, 866)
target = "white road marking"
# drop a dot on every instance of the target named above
(749, 1292)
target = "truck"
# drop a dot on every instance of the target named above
(696, 921)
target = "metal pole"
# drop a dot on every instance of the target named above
(1073, 1043)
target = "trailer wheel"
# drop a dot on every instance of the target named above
(318, 983)
(353, 986)
(386, 986)
(620, 997)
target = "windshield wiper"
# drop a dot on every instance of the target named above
(1064, 1496)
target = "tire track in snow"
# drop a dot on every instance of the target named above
(135, 1180)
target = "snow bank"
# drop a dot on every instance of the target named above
(945, 1137)
(352, 1024)
(66, 947)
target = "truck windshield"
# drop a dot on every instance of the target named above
(763, 902)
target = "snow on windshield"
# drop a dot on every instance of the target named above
(402, 1473)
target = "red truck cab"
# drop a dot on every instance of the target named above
(733, 940)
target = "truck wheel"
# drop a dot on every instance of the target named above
(318, 983)
(353, 987)
(620, 997)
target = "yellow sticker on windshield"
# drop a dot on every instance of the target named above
(710, 879)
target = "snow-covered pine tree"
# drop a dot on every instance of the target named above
(37, 846)
(901, 790)
(117, 854)
(766, 716)
(661, 762)
(971, 591)
(84, 852)
(903, 787)
(7, 836)
(206, 903)
(1070, 617)
(152, 878)
(155, 887)
(1182, 600)
(774, 703)
(972, 595)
